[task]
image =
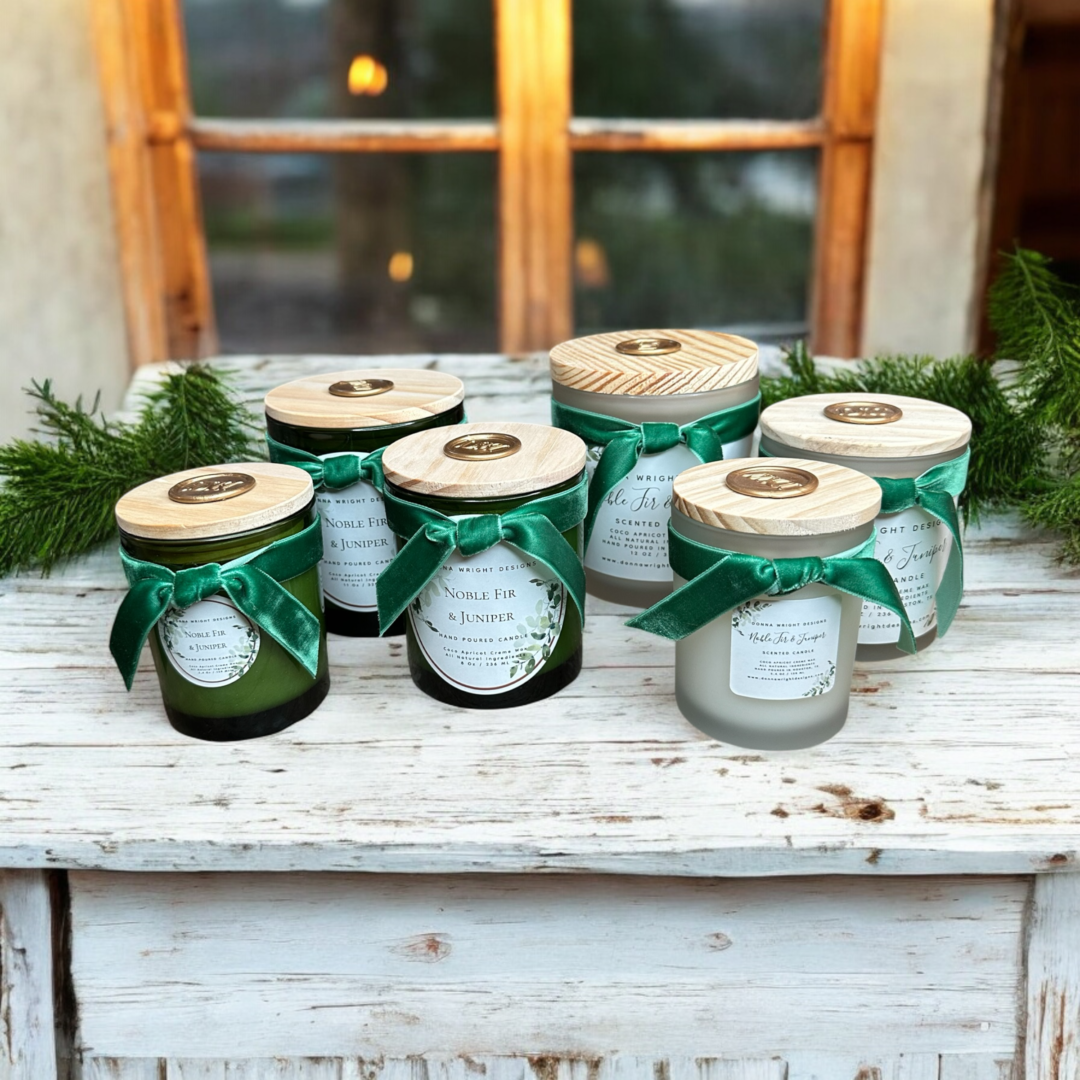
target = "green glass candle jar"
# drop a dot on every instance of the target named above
(917, 451)
(352, 415)
(223, 567)
(649, 404)
(489, 571)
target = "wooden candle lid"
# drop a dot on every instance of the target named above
(264, 493)
(702, 360)
(415, 394)
(922, 429)
(841, 499)
(493, 460)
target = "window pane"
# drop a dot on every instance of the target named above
(703, 240)
(352, 252)
(341, 58)
(750, 59)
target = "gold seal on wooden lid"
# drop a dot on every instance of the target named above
(839, 498)
(215, 501)
(362, 399)
(866, 425)
(654, 362)
(494, 468)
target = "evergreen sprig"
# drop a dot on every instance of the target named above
(58, 493)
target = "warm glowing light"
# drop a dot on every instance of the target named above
(367, 76)
(400, 267)
(591, 264)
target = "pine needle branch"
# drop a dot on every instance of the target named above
(57, 496)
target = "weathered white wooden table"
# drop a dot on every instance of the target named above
(583, 889)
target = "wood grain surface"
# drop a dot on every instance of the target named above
(548, 456)
(842, 500)
(417, 395)
(925, 428)
(279, 491)
(706, 361)
(956, 761)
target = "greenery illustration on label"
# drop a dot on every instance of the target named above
(209, 643)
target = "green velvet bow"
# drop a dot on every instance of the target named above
(535, 529)
(936, 492)
(332, 473)
(625, 442)
(252, 583)
(718, 580)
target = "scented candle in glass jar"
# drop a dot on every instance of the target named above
(772, 562)
(222, 564)
(489, 571)
(917, 451)
(648, 404)
(334, 426)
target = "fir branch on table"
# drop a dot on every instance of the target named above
(58, 495)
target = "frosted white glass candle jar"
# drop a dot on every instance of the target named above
(657, 382)
(892, 437)
(355, 414)
(773, 673)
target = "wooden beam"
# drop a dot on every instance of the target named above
(143, 70)
(852, 65)
(1052, 1041)
(535, 199)
(27, 1016)
(330, 136)
(587, 133)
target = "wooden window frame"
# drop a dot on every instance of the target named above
(153, 138)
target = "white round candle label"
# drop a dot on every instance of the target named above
(357, 543)
(209, 643)
(489, 622)
(630, 537)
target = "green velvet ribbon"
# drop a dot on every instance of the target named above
(936, 492)
(252, 583)
(332, 473)
(535, 528)
(718, 580)
(625, 442)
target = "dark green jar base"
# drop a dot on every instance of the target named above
(536, 689)
(253, 725)
(358, 623)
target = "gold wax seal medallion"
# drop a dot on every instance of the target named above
(772, 482)
(863, 412)
(211, 487)
(483, 446)
(648, 346)
(360, 387)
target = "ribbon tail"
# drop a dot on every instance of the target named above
(413, 567)
(144, 604)
(274, 609)
(619, 457)
(951, 588)
(871, 582)
(701, 600)
(538, 538)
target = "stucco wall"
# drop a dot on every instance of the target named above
(928, 170)
(61, 313)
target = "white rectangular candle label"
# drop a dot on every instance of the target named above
(357, 543)
(914, 546)
(630, 538)
(785, 649)
(489, 623)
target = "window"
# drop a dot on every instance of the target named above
(362, 176)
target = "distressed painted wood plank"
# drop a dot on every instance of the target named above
(27, 1025)
(978, 1067)
(294, 965)
(102, 1068)
(804, 1065)
(1052, 1040)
